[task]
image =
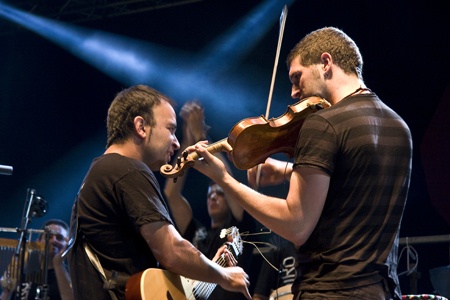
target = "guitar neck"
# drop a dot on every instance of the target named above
(202, 290)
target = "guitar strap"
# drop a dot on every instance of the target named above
(108, 284)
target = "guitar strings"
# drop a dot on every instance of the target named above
(204, 289)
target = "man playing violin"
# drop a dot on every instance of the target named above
(348, 182)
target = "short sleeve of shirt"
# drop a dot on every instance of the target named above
(141, 200)
(316, 144)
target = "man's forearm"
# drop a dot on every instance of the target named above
(64, 282)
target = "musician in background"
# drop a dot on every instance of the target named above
(58, 279)
(122, 223)
(279, 272)
(223, 211)
(349, 181)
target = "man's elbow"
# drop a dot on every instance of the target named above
(167, 261)
(299, 238)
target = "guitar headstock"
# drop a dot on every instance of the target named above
(234, 239)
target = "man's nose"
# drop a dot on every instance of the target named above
(176, 143)
(295, 92)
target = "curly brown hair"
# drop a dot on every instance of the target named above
(342, 48)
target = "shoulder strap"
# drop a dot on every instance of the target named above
(73, 227)
(108, 283)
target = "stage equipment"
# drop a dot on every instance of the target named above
(440, 277)
(27, 257)
(6, 170)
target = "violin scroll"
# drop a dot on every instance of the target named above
(187, 160)
(180, 166)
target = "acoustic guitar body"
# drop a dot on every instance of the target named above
(157, 284)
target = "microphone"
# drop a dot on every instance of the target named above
(6, 170)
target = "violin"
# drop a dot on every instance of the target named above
(252, 140)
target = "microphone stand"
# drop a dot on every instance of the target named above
(44, 288)
(21, 245)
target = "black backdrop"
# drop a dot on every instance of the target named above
(53, 105)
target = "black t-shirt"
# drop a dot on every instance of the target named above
(283, 257)
(117, 197)
(208, 240)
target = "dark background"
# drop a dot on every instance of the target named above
(53, 104)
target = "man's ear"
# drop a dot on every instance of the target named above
(326, 60)
(139, 126)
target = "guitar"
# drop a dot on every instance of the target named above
(158, 284)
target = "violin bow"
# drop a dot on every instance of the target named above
(274, 72)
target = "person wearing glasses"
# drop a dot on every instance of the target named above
(58, 285)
